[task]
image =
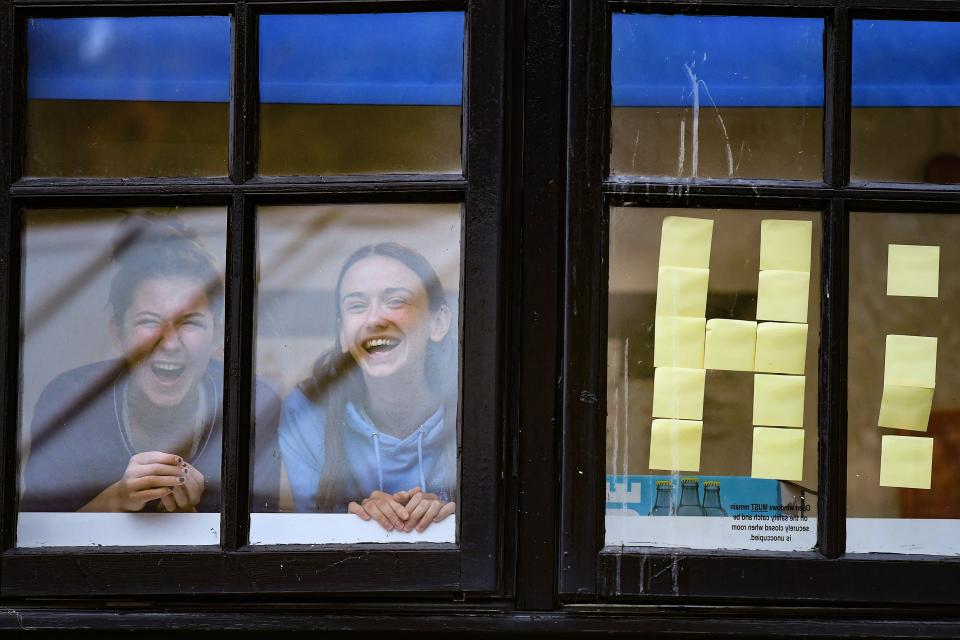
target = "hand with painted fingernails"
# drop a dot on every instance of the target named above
(150, 475)
(186, 496)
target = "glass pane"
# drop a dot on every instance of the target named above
(717, 97)
(712, 378)
(358, 330)
(903, 406)
(369, 93)
(122, 377)
(128, 96)
(905, 124)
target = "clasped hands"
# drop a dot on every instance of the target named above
(404, 510)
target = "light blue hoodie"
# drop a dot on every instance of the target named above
(376, 460)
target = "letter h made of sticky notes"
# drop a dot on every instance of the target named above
(675, 445)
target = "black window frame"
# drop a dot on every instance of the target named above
(590, 572)
(536, 144)
(434, 571)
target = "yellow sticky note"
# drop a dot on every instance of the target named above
(678, 342)
(685, 242)
(782, 296)
(785, 245)
(781, 347)
(730, 344)
(913, 270)
(777, 454)
(906, 461)
(778, 400)
(678, 393)
(905, 407)
(675, 445)
(910, 361)
(682, 291)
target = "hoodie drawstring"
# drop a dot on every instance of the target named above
(423, 479)
(376, 449)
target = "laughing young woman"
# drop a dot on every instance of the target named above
(144, 432)
(373, 431)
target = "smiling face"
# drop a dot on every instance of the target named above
(386, 322)
(167, 335)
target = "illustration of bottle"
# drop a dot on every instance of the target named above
(690, 498)
(662, 505)
(711, 499)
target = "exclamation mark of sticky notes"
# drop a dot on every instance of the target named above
(678, 348)
(783, 292)
(909, 373)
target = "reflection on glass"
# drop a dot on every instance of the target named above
(357, 328)
(905, 124)
(122, 378)
(128, 96)
(900, 500)
(717, 97)
(700, 435)
(370, 93)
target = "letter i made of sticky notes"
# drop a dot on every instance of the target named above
(682, 291)
(781, 347)
(730, 344)
(910, 361)
(785, 245)
(905, 407)
(675, 445)
(678, 342)
(678, 393)
(685, 242)
(777, 454)
(778, 400)
(906, 461)
(913, 270)
(783, 296)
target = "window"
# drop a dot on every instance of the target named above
(784, 461)
(641, 310)
(191, 188)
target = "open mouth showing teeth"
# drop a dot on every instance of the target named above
(167, 372)
(380, 345)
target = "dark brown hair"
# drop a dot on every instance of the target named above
(150, 246)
